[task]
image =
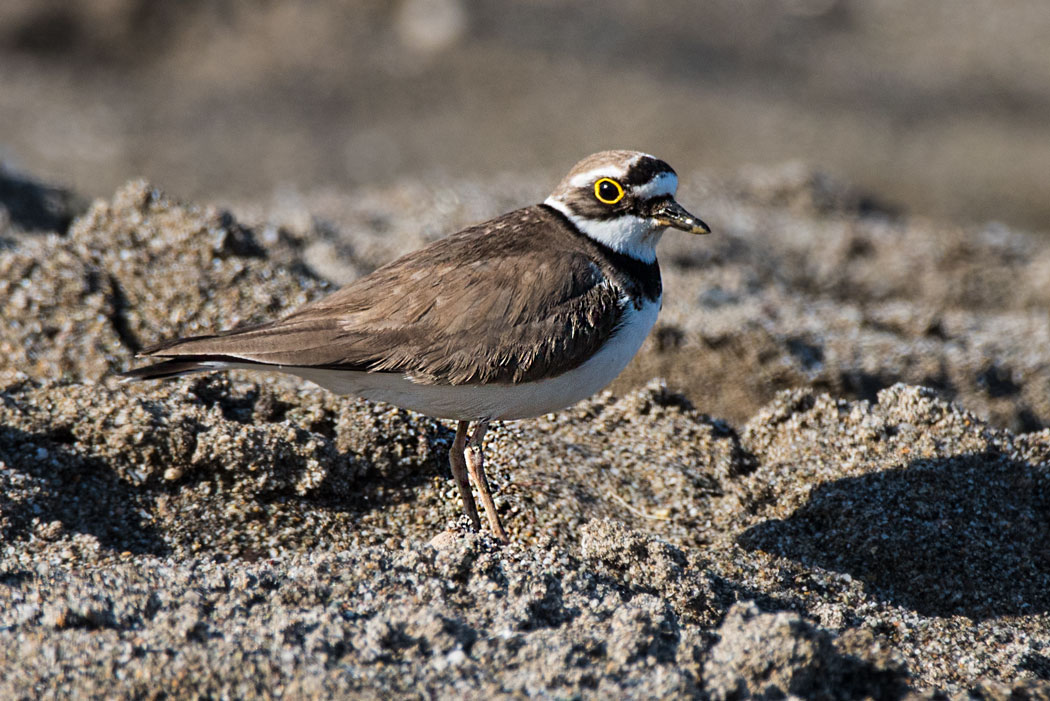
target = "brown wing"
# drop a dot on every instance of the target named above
(514, 301)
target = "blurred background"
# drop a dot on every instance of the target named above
(939, 107)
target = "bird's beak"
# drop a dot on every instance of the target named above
(670, 213)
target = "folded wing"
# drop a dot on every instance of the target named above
(476, 307)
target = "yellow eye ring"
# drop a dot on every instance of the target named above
(608, 191)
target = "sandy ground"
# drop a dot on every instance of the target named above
(788, 513)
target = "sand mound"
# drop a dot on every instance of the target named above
(245, 534)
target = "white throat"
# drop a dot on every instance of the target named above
(627, 234)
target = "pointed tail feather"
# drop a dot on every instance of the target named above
(306, 343)
(185, 356)
(170, 368)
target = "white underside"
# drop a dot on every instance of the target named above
(501, 402)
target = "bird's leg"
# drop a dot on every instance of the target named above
(459, 472)
(476, 465)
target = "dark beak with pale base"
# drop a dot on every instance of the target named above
(670, 213)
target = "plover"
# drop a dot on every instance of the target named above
(525, 314)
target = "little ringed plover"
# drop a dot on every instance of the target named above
(522, 315)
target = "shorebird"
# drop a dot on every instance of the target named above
(519, 316)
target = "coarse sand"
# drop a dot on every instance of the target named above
(841, 489)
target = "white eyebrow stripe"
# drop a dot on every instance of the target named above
(662, 184)
(590, 176)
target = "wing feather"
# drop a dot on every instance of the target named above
(477, 307)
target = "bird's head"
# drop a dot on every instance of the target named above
(625, 200)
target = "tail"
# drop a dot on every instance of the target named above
(184, 356)
(300, 341)
(167, 369)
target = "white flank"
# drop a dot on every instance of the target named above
(501, 402)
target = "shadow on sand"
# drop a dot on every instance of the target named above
(83, 492)
(967, 535)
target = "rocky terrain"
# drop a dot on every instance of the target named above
(840, 489)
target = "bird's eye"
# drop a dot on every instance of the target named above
(608, 191)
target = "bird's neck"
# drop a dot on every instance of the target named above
(626, 234)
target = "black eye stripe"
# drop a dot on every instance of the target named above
(645, 170)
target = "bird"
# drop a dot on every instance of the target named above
(519, 316)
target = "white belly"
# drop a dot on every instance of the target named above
(503, 402)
